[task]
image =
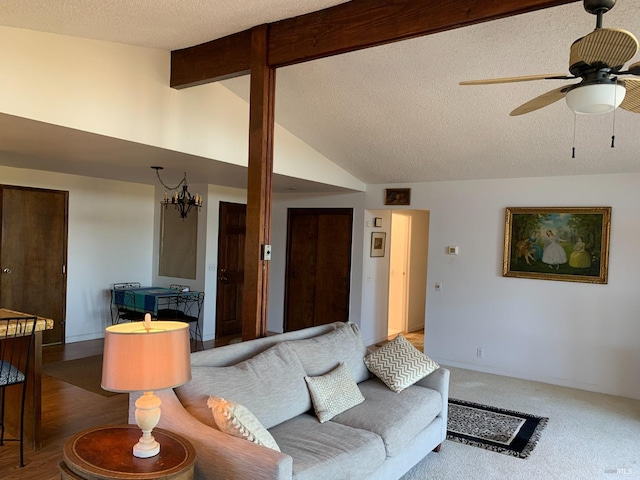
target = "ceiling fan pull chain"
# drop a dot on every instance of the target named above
(613, 131)
(573, 149)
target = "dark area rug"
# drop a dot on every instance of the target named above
(496, 429)
(85, 373)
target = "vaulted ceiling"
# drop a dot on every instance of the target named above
(394, 113)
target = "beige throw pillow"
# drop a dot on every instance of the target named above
(238, 421)
(333, 393)
(399, 364)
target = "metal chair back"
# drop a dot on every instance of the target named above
(16, 340)
(123, 303)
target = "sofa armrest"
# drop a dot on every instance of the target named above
(439, 381)
(219, 456)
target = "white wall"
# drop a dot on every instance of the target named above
(574, 334)
(123, 91)
(110, 240)
(375, 278)
(281, 202)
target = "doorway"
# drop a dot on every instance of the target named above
(399, 254)
(318, 268)
(230, 285)
(408, 261)
(33, 254)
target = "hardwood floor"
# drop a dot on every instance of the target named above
(67, 409)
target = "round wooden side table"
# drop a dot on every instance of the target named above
(105, 453)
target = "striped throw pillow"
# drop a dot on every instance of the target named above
(399, 364)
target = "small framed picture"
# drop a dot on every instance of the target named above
(377, 222)
(397, 196)
(378, 240)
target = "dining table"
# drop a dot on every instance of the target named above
(33, 401)
(152, 299)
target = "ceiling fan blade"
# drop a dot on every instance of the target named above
(541, 101)
(634, 66)
(526, 78)
(610, 46)
(634, 69)
(631, 100)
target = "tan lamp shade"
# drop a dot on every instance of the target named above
(141, 359)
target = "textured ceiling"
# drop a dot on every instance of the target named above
(165, 24)
(396, 113)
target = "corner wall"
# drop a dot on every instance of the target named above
(573, 334)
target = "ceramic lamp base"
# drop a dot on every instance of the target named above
(147, 417)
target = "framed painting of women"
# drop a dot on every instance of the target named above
(557, 243)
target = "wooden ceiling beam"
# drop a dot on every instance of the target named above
(213, 61)
(360, 24)
(347, 27)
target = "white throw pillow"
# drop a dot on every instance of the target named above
(399, 364)
(333, 393)
(238, 421)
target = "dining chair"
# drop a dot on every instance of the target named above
(192, 313)
(122, 301)
(16, 339)
(180, 288)
(186, 307)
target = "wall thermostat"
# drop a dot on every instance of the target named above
(452, 249)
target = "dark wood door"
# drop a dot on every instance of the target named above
(33, 254)
(318, 272)
(229, 296)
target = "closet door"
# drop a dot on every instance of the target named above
(232, 230)
(318, 271)
(33, 254)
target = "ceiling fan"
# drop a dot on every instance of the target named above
(597, 59)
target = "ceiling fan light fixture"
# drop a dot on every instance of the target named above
(596, 98)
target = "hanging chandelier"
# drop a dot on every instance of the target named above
(182, 200)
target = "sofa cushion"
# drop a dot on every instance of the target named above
(328, 451)
(399, 364)
(324, 352)
(333, 392)
(271, 385)
(236, 420)
(396, 417)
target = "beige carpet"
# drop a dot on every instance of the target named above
(589, 436)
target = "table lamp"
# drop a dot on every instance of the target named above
(142, 357)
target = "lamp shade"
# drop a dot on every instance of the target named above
(596, 98)
(141, 359)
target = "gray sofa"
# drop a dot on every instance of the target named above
(381, 438)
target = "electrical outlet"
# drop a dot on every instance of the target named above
(480, 352)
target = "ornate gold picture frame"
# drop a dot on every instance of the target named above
(569, 244)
